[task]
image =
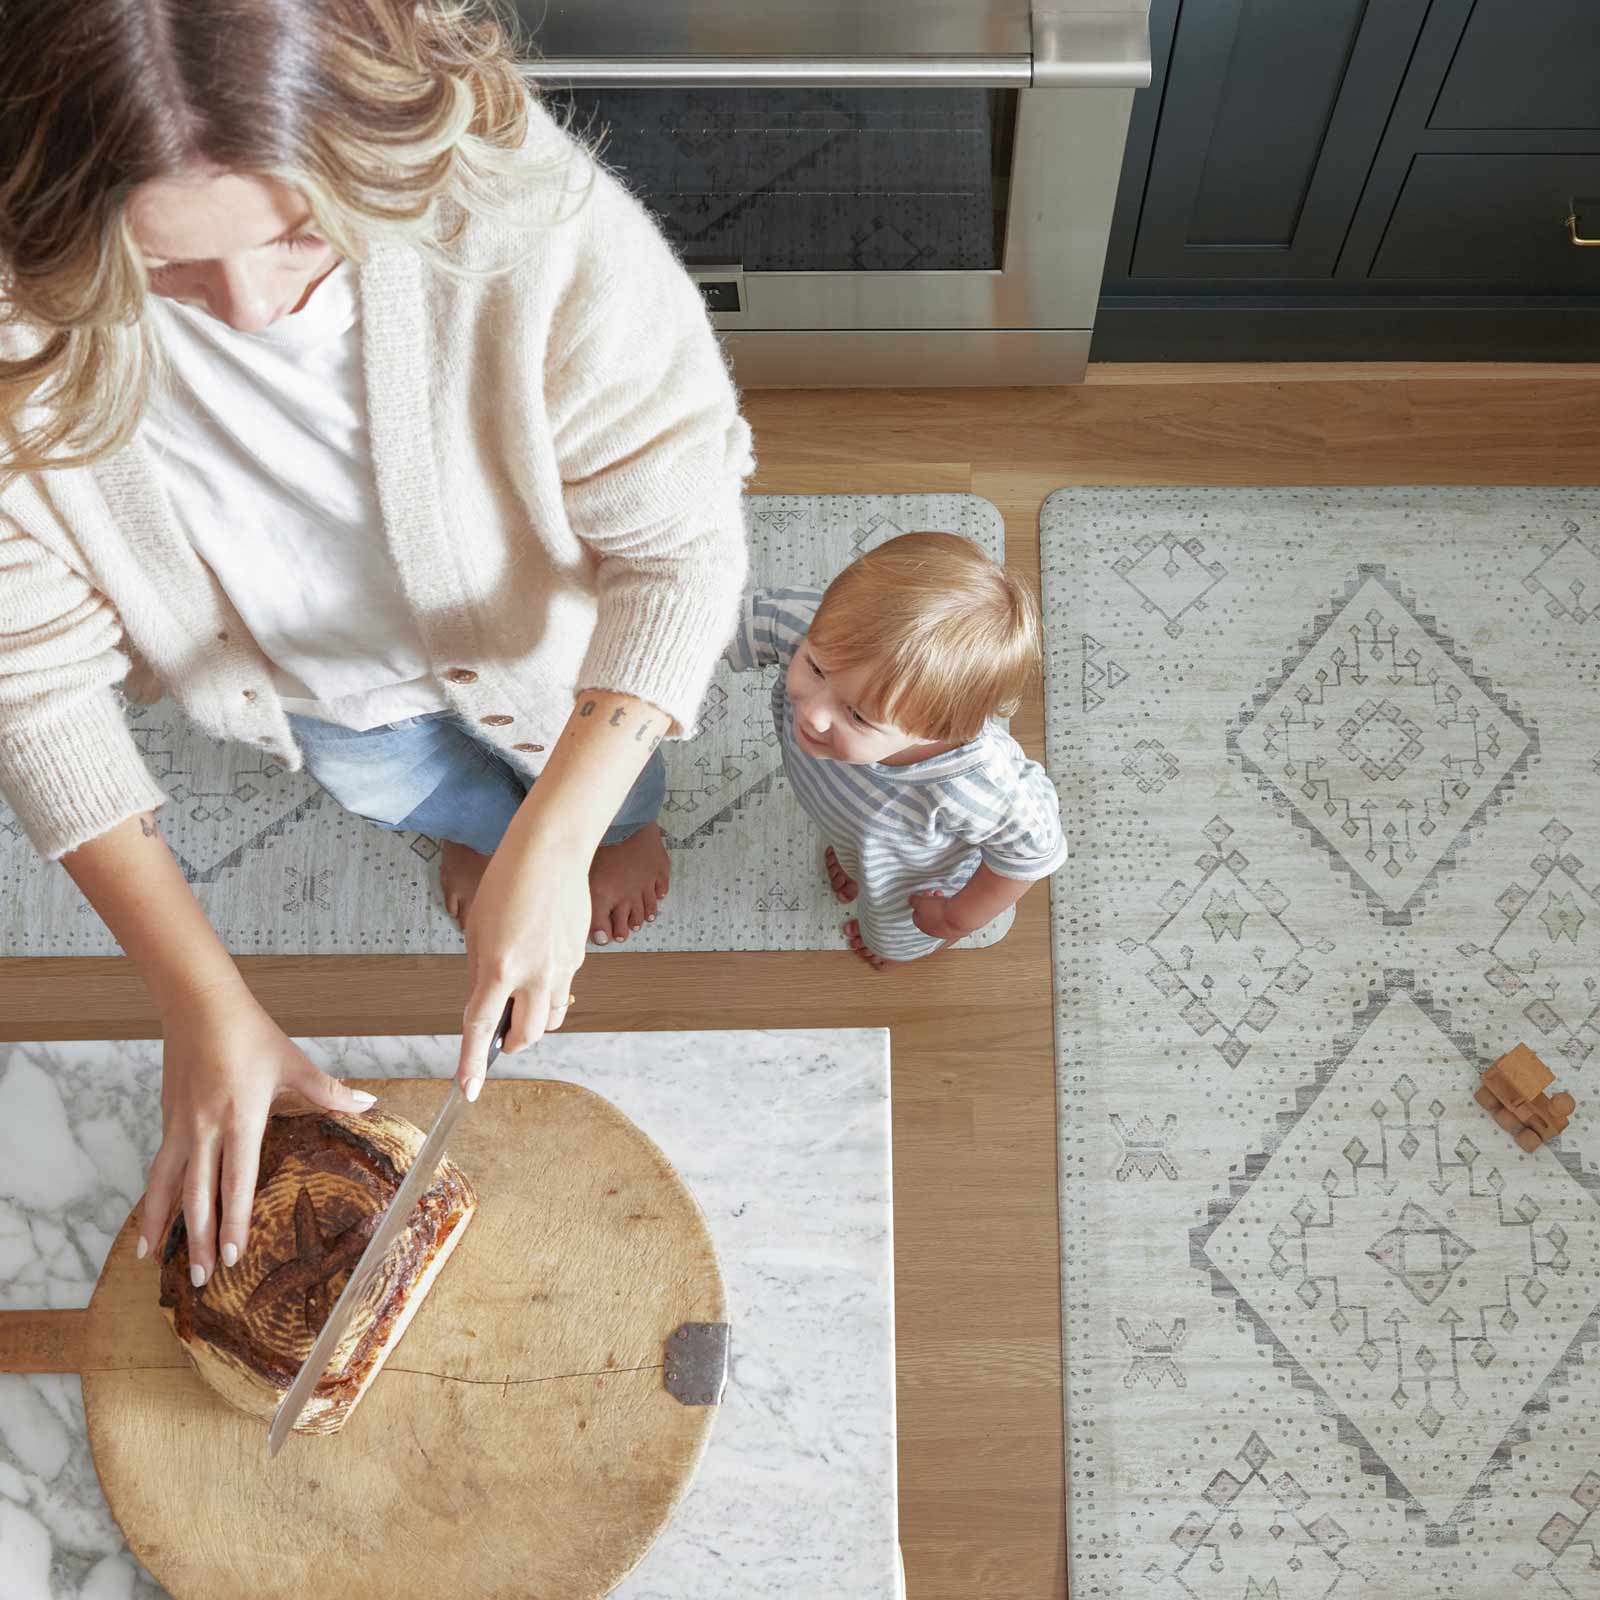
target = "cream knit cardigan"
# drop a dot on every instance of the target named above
(559, 459)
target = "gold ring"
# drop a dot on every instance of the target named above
(570, 999)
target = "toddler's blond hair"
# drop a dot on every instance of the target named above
(949, 637)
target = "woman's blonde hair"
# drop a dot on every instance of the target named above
(948, 637)
(373, 110)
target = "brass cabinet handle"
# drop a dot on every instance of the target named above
(1572, 230)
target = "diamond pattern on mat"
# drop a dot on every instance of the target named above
(1386, 1267)
(1568, 578)
(1382, 744)
(1262, 1537)
(1545, 953)
(1171, 576)
(1226, 954)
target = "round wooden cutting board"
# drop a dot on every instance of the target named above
(519, 1441)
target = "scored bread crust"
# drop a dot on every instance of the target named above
(324, 1181)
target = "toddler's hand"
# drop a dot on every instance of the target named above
(930, 910)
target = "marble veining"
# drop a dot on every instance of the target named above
(783, 1138)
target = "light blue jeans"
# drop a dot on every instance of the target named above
(431, 774)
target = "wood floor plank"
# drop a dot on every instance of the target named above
(1197, 372)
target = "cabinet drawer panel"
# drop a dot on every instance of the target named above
(1522, 66)
(1499, 218)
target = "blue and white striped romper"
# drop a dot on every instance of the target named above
(897, 830)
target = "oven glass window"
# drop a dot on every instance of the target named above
(812, 180)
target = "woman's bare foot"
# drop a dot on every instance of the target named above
(460, 873)
(626, 881)
(845, 888)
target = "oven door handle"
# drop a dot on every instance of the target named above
(1072, 49)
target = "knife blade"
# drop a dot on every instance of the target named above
(393, 1222)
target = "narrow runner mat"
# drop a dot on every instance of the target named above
(1330, 763)
(281, 869)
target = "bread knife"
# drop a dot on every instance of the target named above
(392, 1224)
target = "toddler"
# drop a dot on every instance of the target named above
(934, 819)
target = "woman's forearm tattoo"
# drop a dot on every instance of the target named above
(619, 715)
(147, 825)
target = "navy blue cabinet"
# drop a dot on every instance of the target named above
(1361, 179)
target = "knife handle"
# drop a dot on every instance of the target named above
(502, 1028)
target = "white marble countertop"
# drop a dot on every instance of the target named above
(782, 1136)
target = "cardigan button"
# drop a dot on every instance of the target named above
(535, 748)
(249, 694)
(461, 675)
(496, 719)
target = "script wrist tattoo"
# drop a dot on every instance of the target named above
(619, 715)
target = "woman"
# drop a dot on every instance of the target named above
(352, 403)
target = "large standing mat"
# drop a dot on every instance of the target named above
(1328, 760)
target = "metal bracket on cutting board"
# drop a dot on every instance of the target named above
(695, 1357)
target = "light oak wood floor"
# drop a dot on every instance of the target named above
(976, 1250)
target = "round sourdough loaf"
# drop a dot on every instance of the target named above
(325, 1179)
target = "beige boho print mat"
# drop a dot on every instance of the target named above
(1330, 765)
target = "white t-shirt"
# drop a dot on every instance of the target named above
(261, 445)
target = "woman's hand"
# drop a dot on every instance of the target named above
(526, 930)
(528, 924)
(224, 1058)
(223, 1062)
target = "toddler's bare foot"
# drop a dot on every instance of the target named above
(852, 932)
(845, 888)
(626, 881)
(460, 872)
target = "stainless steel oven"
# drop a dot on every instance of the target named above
(870, 192)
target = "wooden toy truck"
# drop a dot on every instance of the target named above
(1513, 1093)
